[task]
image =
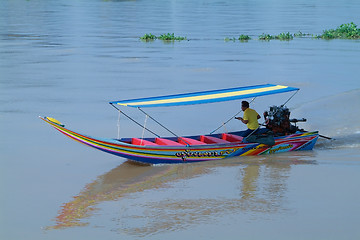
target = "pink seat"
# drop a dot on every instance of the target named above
(210, 139)
(164, 141)
(190, 141)
(142, 142)
(231, 137)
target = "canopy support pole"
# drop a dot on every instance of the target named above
(142, 136)
(289, 98)
(187, 144)
(134, 120)
(118, 126)
(230, 119)
(158, 122)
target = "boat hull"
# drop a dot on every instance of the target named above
(164, 154)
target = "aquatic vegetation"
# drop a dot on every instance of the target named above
(244, 38)
(227, 39)
(165, 37)
(344, 31)
(170, 37)
(300, 34)
(148, 37)
(284, 36)
(266, 37)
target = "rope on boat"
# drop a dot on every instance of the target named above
(134, 121)
(144, 127)
(118, 126)
(142, 136)
(223, 125)
(225, 130)
(158, 122)
(187, 144)
(230, 118)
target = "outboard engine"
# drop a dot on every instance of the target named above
(278, 120)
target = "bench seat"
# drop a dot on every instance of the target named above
(212, 140)
(231, 137)
(142, 142)
(164, 141)
(190, 141)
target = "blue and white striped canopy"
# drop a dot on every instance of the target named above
(206, 96)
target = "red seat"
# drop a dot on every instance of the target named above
(210, 139)
(190, 141)
(142, 142)
(164, 141)
(232, 137)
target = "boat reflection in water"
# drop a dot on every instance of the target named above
(260, 184)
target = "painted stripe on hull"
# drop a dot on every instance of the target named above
(180, 154)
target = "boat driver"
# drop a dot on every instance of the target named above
(250, 118)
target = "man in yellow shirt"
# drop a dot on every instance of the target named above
(250, 118)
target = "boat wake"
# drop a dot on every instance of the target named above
(339, 142)
(334, 117)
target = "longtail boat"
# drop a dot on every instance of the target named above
(186, 149)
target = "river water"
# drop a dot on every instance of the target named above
(68, 59)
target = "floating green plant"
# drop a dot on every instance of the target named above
(244, 38)
(266, 37)
(170, 37)
(300, 34)
(148, 37)
(284, 36)
(345, 31)
(227, 39)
